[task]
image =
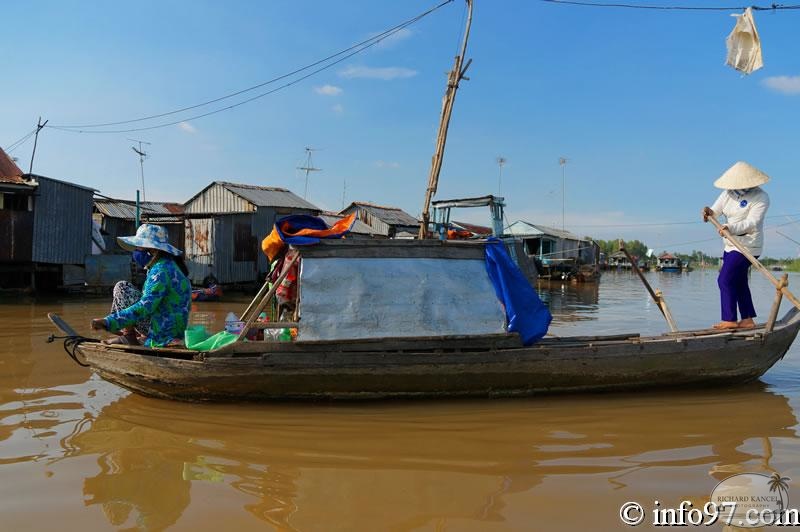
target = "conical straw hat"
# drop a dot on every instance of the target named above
(741, 175)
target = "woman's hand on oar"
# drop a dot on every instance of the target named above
(708, 213)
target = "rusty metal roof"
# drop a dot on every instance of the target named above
(473, 228)
(9, 171)
(126, 209)
(388, 215)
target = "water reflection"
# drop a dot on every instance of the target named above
(570, 302)
(407, 465)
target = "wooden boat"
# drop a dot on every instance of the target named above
(424, 335)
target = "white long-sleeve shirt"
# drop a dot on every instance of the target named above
(744, 213)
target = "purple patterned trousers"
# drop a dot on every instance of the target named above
(733, 287)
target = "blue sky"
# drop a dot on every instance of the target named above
(640, 102)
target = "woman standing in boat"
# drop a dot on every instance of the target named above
(165, 299)
(744, 206)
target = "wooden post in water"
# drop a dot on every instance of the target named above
(657, 295)
(776, 305)
(754, 261)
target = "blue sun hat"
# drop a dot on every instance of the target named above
(149, 236)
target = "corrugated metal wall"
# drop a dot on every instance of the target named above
(199, 248)
(226, 269)
(62, 225)
(217, 199)
(16, 228)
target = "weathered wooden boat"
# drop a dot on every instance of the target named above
(383, 319)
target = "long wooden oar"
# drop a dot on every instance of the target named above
(754, 261)
(657, 296)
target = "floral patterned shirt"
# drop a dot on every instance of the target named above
(166, 300)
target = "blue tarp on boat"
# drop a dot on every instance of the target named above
(525, 312)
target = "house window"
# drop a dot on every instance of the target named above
(244, 243)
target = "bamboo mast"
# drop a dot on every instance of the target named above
(453, 79)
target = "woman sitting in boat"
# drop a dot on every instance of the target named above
(161, 311)
(744, 206)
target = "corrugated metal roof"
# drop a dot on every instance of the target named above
(389, 215)
(359, 227)
(9, 171)
(270, 196)
(225, 197)
(523, 228)
(126, 210)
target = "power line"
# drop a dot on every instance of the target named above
(663, 224)
(20, 141)
(350, 51)
(771, 7)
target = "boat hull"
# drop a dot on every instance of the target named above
(362, 371)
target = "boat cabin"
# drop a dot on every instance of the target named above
(357, 289)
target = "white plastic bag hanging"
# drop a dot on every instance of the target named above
(744, 44)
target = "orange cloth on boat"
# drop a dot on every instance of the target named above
(288, 230)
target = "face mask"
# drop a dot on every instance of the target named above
(141, 258)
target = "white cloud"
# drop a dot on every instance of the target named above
(387, 164)
(187, 127)
(328, 90)
(393, 39)
(784, 84)
(338, 109)
(384, 73)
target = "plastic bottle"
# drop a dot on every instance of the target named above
(285, 336)
(232, 323)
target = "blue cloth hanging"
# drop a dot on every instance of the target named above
(525, 312)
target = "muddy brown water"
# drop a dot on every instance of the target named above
(78, 453)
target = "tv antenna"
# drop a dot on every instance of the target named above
(308, 168)
(501, 162)
(142, 156)
(562, 161)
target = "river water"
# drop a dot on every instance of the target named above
(78, 453)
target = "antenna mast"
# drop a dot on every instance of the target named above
(142, 156)
(501, 162)
(308, 168)
(563, 162)
(453, 78)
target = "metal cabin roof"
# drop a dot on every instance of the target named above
(389, 215)
(261, 196)
(523, 228)
(126, 210)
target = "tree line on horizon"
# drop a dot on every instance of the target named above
(639, 249)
